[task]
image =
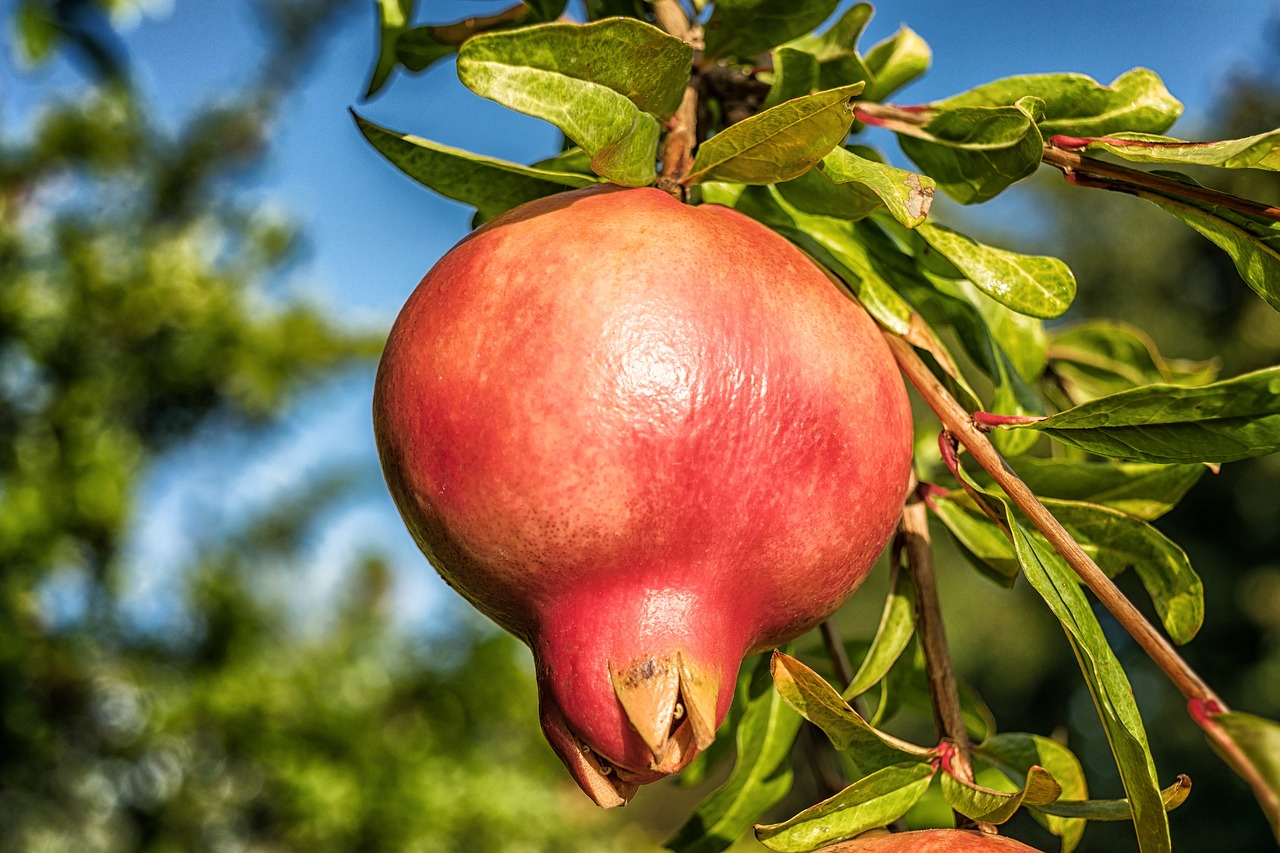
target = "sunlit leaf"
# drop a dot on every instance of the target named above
(1117, 542)
(761, 775)
(907, 195)
(988, 805)
(1075, 104)
(1251, 747)
(893, 635)
(1015, 754)
(1221, 422)
(393, 18)
(872, 801)
(1261, 151)
(491, 186)
(975, 153)
(1142, 489)
(1110, 810)
(1035, 285)
(795, 74)
(982, 541)
(836, 49)
(895, 62)
(745, 28)
(606, 85)
(821, 704)
(779, 143)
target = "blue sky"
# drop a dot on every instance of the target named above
(373, 233)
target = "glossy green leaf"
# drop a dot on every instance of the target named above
(906, 194)
(1117, 542)
(491, 186)
(1253, 244)
(813, 192)
(983, 543)
(760, 777)
(1109, 810)
(393, 19)
(1251, 747)
(893, 635)
(1035, 285)
(779, 143)
(975, 153)
(605, 85)
(1141, 489)
(1112, 695)
(1099, 357)
(746, 28)
(1221, 422)
(1016, 753)
(821, 704)
(1078, 105)
(836, 49)
(795, 74)
(988, 805)
(1252, 152)
(872, 801)
(895, 62)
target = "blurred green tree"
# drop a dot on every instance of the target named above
(135, 317)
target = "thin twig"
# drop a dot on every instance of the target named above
(947, 716)
(835, 651)
(957, 422)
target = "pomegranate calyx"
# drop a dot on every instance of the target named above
(671, 704)
(598, 779)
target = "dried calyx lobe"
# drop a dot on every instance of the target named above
(647, 438)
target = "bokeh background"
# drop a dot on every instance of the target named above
(214, 632)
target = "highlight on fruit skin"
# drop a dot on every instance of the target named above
(931, 841)
(648, 439)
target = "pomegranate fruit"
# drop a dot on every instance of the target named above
(648, 439)
(932, 841)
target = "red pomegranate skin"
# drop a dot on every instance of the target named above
(933, 841)
(640, 435)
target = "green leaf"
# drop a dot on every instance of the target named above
(834, 244)
(35, 33)
(746, 28)
(491, 186)
(795, 74)
(906, 194)
(605, 85)
(1117, 542)
(836, 50)
(1251, 747)
(1252, 152)
(988, 805)
(779, 143)
(760, 778)
(1253, 244)
(1141, 489)
(820, 703)
(1112, 695)
(895, 62)
(872, 801)
(1110, 810)
(893, 635)
(1034, 285)
(1078, 105)
(1015, 754)
(393, 19)
(975, 153)
(1222, 422)
(1100, 357)
(983, 543)
(813, 192)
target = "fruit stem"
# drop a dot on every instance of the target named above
(682, 128)
(918, 553)
(957, 421)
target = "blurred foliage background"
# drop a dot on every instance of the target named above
(141, 313)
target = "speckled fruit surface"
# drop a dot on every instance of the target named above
(935, 841)
(647, 438)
